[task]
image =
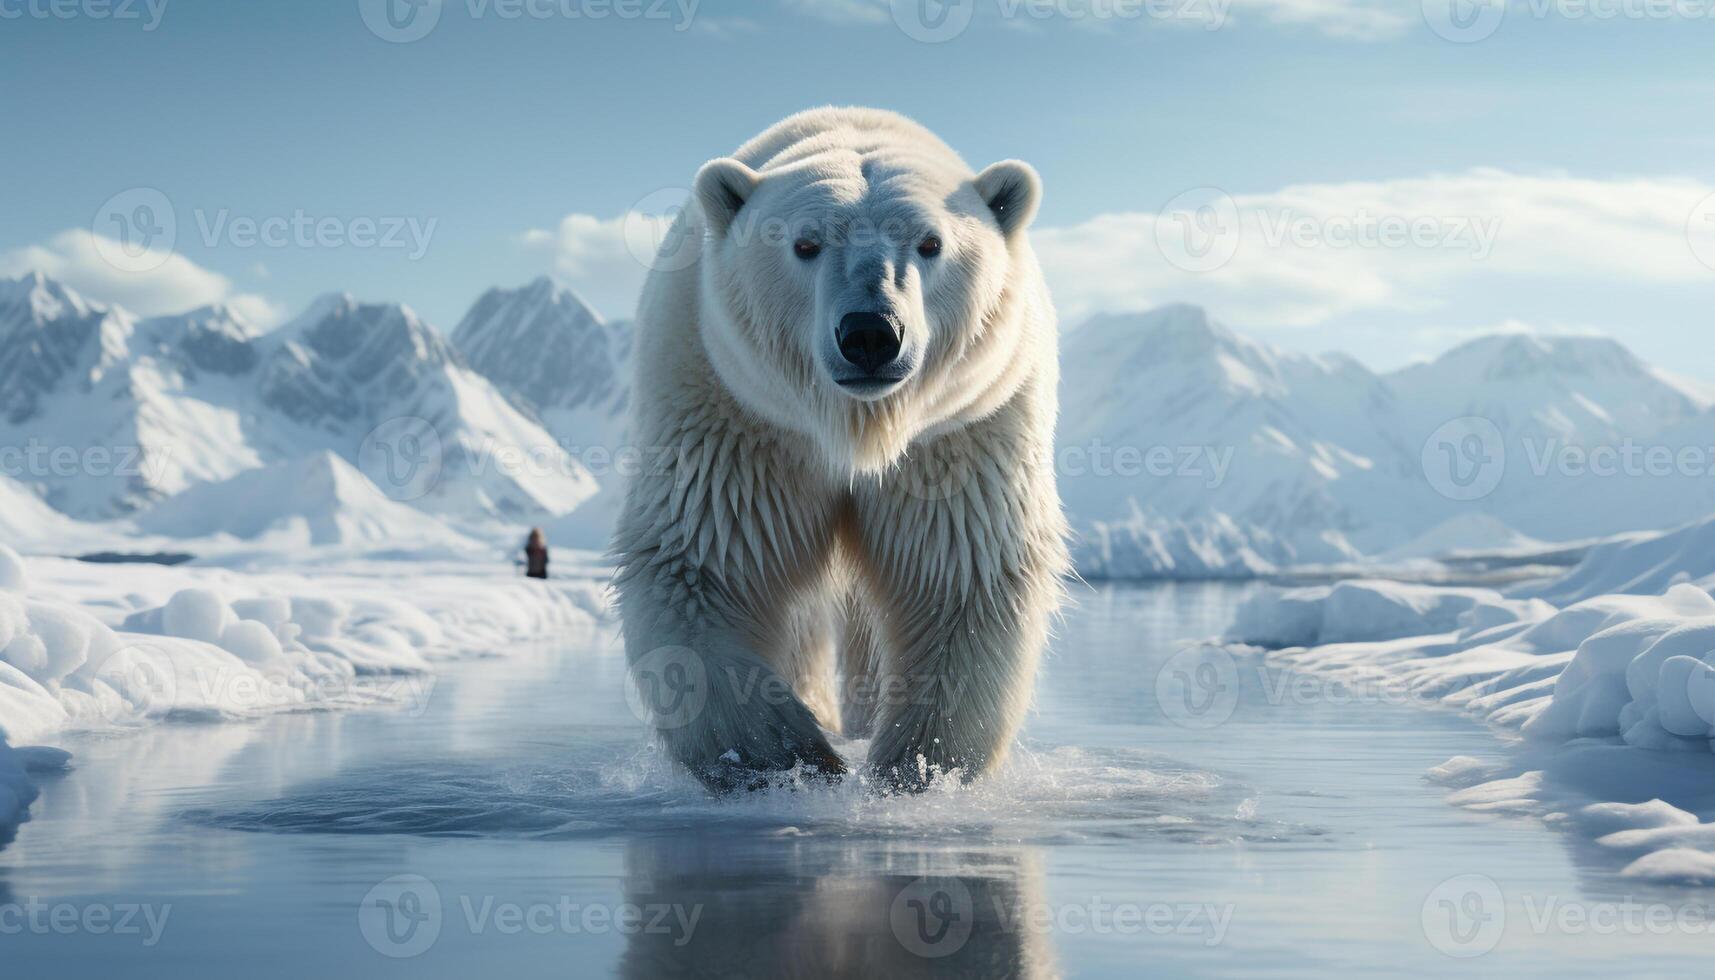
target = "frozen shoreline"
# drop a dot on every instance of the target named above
(1611, 692)
(100, 647)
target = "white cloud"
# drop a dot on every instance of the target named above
(160, 283)
(604, 259)
(1443, 249)
(1301, 255)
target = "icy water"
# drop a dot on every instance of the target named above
(516, 823)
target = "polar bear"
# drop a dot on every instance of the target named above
(846, 371)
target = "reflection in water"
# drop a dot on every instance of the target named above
(527, 780)
(790, 907)
(103, 828)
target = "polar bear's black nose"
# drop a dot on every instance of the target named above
(868, 340)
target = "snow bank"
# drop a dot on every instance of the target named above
(1640, 807)
(17, 792)
(1609, 666)
(12, 577)
(1641, 564)
(63, 668)
(213, 644)
(99, 647)
(1345, 611)
(1624, 672)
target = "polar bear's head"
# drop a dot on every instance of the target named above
(863, 290)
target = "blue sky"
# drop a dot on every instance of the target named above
(1547, 177)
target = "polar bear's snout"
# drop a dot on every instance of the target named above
(874, 321)
(870, 343)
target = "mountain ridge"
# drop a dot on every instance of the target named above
(1274, 458)
(1334, 462)
(202, 396)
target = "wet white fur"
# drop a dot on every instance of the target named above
(910, 543)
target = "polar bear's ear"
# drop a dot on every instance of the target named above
(1012, 191)
(722, 187)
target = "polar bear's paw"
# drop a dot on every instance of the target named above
(792, 768)
(779, 746)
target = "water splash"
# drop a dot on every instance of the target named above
(1050, 795)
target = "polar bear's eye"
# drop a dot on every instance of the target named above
(929, 247)
(806, 249)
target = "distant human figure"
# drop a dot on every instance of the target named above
(536, 554)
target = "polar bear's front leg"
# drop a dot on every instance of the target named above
(713, 551)
(720, 710)
(958, 685)
(967, 564)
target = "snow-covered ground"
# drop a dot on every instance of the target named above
(99, 646)
(1606, 674)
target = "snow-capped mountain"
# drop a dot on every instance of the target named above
(543, 344)
(92, 408)
(1169, 421)
(1569, 386)
(47, 333)
(1226, 456)
(562, 364)
(1558, 405)
(315, 500)
(1184, 449)
(123, 412)
(395, 396)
